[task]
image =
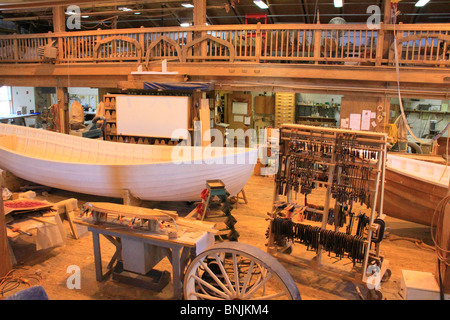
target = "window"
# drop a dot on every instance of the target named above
(5, 100)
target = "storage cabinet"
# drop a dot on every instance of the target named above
(264, 105)
(284, 108)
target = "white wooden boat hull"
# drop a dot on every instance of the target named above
(105, 168)
(413, 188)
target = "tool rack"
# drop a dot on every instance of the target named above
(326, 154)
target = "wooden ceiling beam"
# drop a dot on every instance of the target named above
(305, 12)
(236, 14)
(270, 12)
(14, 5)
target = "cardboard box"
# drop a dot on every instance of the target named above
(418, 285)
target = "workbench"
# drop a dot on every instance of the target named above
(179, 251)
(19, 119)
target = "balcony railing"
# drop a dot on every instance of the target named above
(418, 45)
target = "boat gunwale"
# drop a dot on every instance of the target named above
(192, 160)
(416, 176)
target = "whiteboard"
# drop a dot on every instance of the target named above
(152, 116)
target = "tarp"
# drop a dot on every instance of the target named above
(203, 86)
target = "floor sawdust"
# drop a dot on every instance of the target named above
(252, 226)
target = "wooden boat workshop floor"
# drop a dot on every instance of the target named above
(53, 263)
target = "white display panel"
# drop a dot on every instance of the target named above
(152, 116)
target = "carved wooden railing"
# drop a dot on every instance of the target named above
(294, 43)
(429, 45)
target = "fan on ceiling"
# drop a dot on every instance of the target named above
(334, 34)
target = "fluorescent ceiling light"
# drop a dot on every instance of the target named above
(185, 24)
(261, 4)
(125, 9)
(187, 5)
(85, 17)
(137, 13)
(421, 3)
(338, 3)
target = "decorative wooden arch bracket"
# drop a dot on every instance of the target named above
(415, 37)
(134, 42)
(162, 39)
(207, 37)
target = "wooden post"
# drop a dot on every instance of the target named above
(387, 35)
(205, 118)
(59, 19)
(200, 20)
(380, 46)
(199, 12)
(317, 46)
(63, 109)
(5, 262)
(59, 25)
(258, 42)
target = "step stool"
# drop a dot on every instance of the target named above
(216, 188)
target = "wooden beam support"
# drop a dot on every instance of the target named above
(199, 12)
(59, 19)
(388, 35)
(63, 109)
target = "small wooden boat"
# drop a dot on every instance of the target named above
(413, 188)
(103, 168)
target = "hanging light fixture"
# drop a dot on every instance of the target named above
(338, 3)
(261, 4)
(421, 3)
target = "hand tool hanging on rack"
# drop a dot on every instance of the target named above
(363, 221)
(352, 184)
(338, 243)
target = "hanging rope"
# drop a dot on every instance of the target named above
(397, 69)
(437, 222)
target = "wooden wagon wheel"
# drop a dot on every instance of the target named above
(238, 271)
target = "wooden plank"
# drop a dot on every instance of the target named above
(5, 262)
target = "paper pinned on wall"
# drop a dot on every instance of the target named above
(247, 121)
(344, 123)
(355, 121)
(238, 118)
(240, 108)
(373, 115)
(365, 121)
